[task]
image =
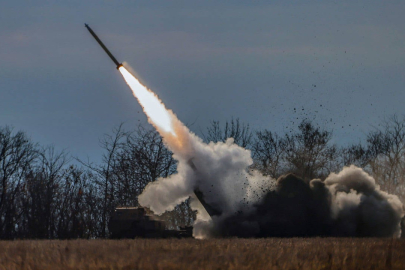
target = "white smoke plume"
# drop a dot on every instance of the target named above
(220, 173)
(252, 205)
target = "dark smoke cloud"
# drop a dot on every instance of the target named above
(346, 204)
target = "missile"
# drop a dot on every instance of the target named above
(103, 46)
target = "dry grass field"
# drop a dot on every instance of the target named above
(273, 253)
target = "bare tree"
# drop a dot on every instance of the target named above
(269, 151)
(386, 147)
(309, 153)
(52, 165)
(240, 132)
(41, 190)
(355, 154)
(112, 145)
(143, 159)
(17, 155)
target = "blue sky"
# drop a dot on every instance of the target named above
(270, 64)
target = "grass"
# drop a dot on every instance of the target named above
(272, 253)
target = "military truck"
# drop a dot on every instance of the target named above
(132, 222)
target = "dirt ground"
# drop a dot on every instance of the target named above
(272, 253)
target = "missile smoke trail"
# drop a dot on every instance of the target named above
(175, 134)
(153, 107)
(252, 205)
(246, 203)
(221, 167)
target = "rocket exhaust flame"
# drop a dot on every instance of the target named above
(158, 115)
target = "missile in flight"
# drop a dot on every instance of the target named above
(118, 64)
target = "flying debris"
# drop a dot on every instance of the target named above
(103, 46)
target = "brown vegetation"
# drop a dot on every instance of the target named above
(275, 253)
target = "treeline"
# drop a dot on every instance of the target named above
(309, 152)
(46, 194)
